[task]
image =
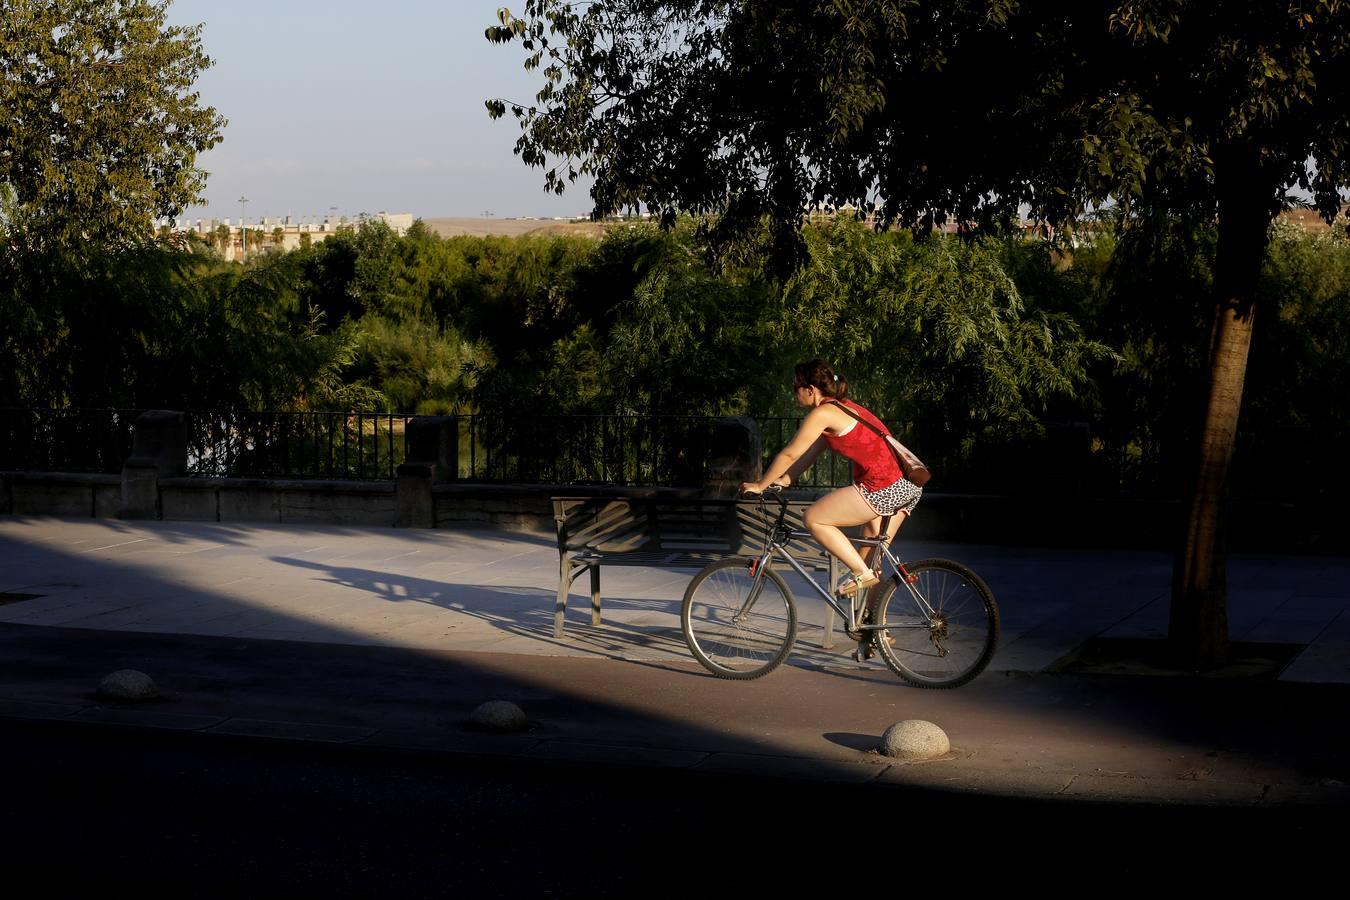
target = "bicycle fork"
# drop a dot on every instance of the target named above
(757, 567)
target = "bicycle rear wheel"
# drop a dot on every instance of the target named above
(731, 639)
(942, 626)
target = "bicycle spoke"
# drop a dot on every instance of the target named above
(952, 644)
(730, 635)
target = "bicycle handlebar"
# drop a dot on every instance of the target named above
(776, 492)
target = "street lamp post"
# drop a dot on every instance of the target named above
(243, 231)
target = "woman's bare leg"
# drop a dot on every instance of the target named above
(839, 509)
(872, 529)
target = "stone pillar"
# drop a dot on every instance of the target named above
(735, 456)
(431, 456)
(159, 450)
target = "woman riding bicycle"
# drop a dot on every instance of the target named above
(879, 488)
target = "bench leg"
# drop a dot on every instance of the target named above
(595, 595)
(564, 587)
(827, 642)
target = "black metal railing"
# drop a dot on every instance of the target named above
(613, 449)
(332, 445)
(650, 450)
(632, 450)
(65, 440)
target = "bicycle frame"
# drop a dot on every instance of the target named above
(777, 538)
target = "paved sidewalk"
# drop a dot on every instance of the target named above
(494, 591)
(389, 638)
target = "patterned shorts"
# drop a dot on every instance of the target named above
(902, 496)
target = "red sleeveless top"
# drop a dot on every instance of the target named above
(874, 466)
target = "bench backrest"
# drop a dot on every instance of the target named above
(709, 526)
(599, 523)
(807, 552)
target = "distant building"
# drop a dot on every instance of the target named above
(398, 222)
(263, 233)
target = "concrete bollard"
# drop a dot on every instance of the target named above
(498, 716)
(915, 739)
(128, 684)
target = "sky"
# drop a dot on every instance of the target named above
(366, 107)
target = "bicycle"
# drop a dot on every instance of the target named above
(936, 622)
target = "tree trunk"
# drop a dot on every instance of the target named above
(1198, 630)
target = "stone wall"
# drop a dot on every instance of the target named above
(56, 494)
(1253, 527)
(279, 501)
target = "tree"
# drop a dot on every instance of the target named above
(99, 132)
(970, 110)
(99, 125)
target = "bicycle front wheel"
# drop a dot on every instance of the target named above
(941, 625)
(731, 633)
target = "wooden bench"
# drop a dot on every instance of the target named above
(662, 532)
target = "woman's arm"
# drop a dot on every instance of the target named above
(804, 462)
(799, 453)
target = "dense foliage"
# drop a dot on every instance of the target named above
(991, 354)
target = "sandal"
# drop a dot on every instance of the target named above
(851, 583)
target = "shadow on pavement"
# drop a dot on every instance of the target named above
(1187, 729)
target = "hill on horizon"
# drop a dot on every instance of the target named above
(482, 227)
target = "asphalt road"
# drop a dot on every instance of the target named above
(138, 813)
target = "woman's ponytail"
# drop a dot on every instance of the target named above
(840, 387)
(818, 374)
